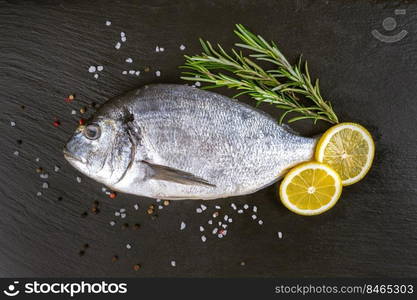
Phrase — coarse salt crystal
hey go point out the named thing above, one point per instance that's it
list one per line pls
(122, 216)
(117, 46)
(199, 210)
(220, 223)
(158, 73)
(215, 230)
(73, 112)
(224, 225)
(173, 263)
(158, 200)
(203, 207)
(96, 76)
(124, 72)
(45, 185)
(79, 179)
(117, 214)
(240, 211)
(136, 207)
(182, 226)
(203, 238)
(92, 69)
(210, 222)
(122, 34)
(108, 23)
(103, 189)
(201, 228)
(260, 222)
(254, 217)
(197, 83)
(129, 60)
(160, 207)
(112, 223)
(226, 217)
(38, 194)
(157, 49)
(128, 246)
(215, 214)
(233, 206)
(12, 123)
(131, 72)
(137, 73)
(255, 209)
(122, 210)
(245, 206)
(161, 49)
(56, 168)
(220, 235)
(100, 68)
(44, 175)
(280, 234)
(230, 220)
(217, 207)
(123, 39)
(182, 47)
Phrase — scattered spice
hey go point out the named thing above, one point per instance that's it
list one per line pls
(125, 226)
(70, 98)
(81, 122)
(114, 258)
(86, 246)
(113, 195)
(166, 202)
(136, 226)
(81, 253)
(83, 110)
(84, 214)
(137, 267)
(56, 123)
(147, 69)
(95, 210)
(39, 170)
(60, 198)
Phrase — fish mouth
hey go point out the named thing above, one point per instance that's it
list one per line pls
(69, 156)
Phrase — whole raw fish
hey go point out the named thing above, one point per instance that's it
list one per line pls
(177, 142)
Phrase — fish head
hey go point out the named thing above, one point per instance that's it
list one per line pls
(100, 149)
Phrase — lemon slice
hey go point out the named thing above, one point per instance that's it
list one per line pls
(349, 149)
(310, 188)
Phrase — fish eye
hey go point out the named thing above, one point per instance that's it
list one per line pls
(92, 131)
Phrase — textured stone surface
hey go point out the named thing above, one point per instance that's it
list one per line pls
(46, 50)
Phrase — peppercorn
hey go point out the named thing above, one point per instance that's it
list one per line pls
(150, 211)
(166, 202)
(114, 258)
(56, 123)
(83, 110)
(113, 195)
(147, 69)
(125, 226)
(39, 170)
(81, 253)
(136, 226)
(136, 267)
(84, 214)
(95, 210)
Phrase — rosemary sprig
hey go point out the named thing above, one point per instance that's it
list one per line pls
(281, 86)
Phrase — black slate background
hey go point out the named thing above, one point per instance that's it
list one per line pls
(46, 48)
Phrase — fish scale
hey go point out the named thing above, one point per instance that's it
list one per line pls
(189, 144)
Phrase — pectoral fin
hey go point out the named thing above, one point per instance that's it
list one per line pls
(160, 172)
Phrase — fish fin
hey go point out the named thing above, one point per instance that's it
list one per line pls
(174, 175)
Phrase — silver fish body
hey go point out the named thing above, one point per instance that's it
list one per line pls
(177, 142)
